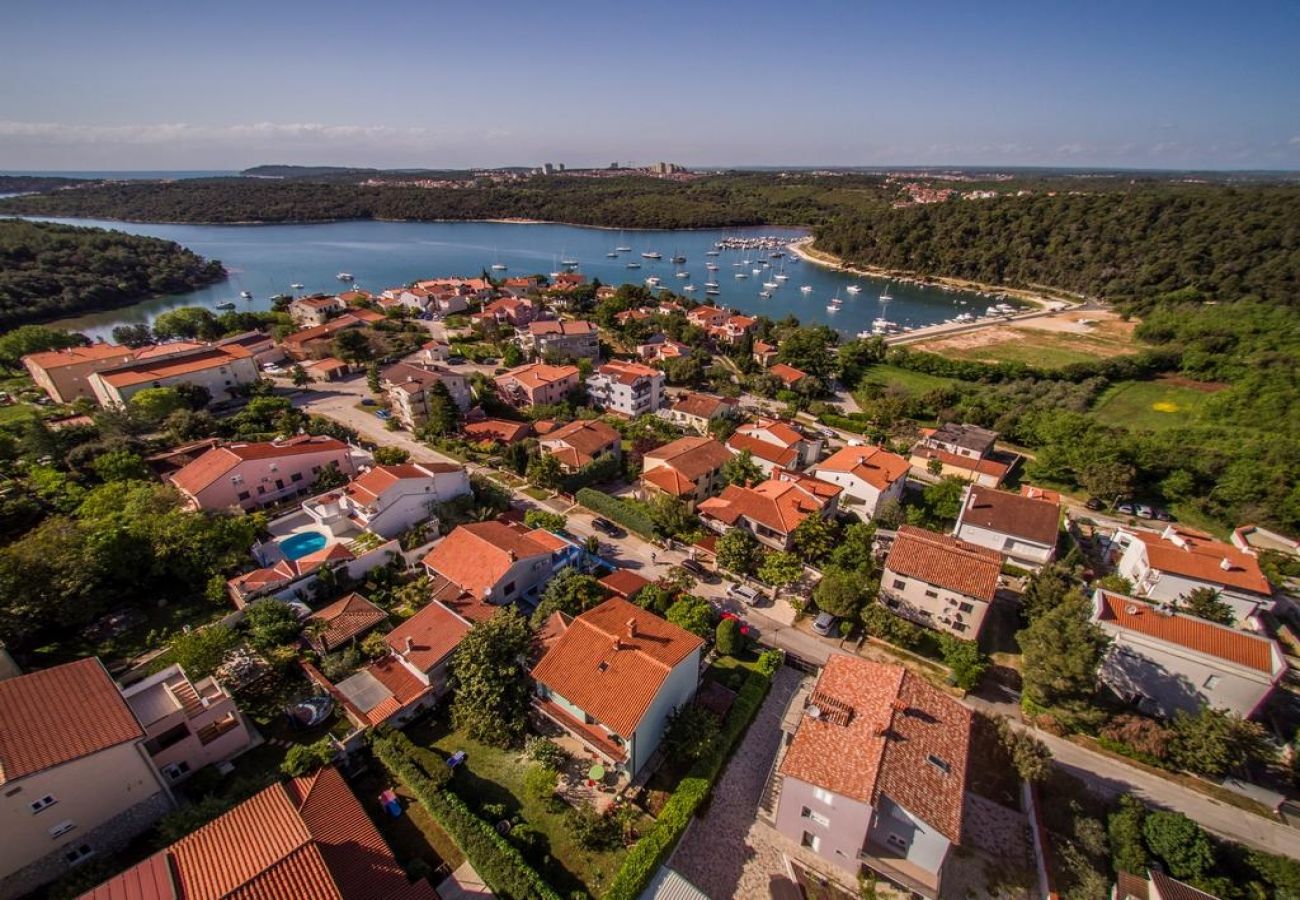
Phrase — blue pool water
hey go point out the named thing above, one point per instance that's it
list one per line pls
(299, 545)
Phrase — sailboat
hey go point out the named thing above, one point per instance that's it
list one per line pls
(678, 259)
(622, 243)
(885, 296)
(853, 289)
(835, 304)
(805, 289)
(498, 266)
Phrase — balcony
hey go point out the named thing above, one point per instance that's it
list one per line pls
(889, 865)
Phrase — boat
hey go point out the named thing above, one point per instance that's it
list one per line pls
(226, 305)
(569, 262)
(652, 254)
(884, 326)
(712, 292)
(805, 289)
(498, 267)
(344, 276)
(742, 274)
(710, 252)
(765, 294)
(832, 307)
(781, 277)
(885, 295)
(689, 288)
(755, 271)
(634, 265)
(678, 259)
(247, 295)
(653, 280)
(611, 255)
(296, 286)
(853, 289)
(771, 285)
(709, 284)
(623, 249)
(712, 267)
(682, 274)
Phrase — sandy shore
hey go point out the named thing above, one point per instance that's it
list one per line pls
(804, 249)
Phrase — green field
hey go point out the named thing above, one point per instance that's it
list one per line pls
(1151, 405)
(915, 382)
(18, 412)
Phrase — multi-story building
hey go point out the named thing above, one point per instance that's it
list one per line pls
(75, 778)
(536, 384)
(581, 443)
(688, 468)
(775, 444)
(773, 509)
(870, 476)
(253, 475)
(696, 412)
(220, 370)
(1022, 527)
(388, 500)
(614, 678)
(876, 773)
(1166, 661)
(408, 387)
(552, 339)
(310, 312)
(485, 565)
(939, 581)
(962, 451)
(629, 389)
(64, 375)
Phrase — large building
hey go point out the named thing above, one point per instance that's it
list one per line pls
(1166, 661)
(536, 384)
(552, 339)
(483, 565)
(775, 444)
(876, 773)
(698, 411)
(254, 475)
(409, 389)
(303, 839)
(76, 780)
(388, 500)
(870, 477)
(65, 374)
(1022, 527)
(219, 370)
(961, 451)
(939, 581)
(629, 389)
(615, 677)
(688, 468)
(772, 510)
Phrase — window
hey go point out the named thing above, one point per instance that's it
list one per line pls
(932, 594)
(78, 854)
(315, 470)
(296, 476)
(896, 841)
(823, 796)
(176, 770)
(509, 588)
(243, 495)
(939, 763)
(236, 479)
(279, 484)
(815, 817)
(1212, 682)
(62, 828)
(811, 841)
(900, 585)
(966, 607)
(44, 803)
(261, 489)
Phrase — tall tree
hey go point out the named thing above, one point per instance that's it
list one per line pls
(839, 593)
(1207, 603)
(1062, 650)
(491, 689)
(814, 538)
(738, 551)
(569, 592)
(741, 470)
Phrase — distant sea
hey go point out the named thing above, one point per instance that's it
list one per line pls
(128, 175)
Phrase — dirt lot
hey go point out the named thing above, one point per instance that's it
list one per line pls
(1045, 341)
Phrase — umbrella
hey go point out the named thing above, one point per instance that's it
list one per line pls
(597, 772)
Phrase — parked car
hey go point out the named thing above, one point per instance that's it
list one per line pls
(1164, 515)
(1125, 507)
(1144, 511)
(367, 401)
(746, 595)
(824, 624)
(697, 569)
(1094, 504)
(383, 414)
(456, 360)
(600, 523)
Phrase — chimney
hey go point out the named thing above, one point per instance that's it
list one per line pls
(410, 644)
(617, 644)
(882, 729)
(1225, 564)
(514, 557)
(631, 628)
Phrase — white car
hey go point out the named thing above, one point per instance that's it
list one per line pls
(746, 595)
(272, 369)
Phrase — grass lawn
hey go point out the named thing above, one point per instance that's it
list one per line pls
(537, 493)
(1151, 405)
(414, 834)
(17, 412)
(914, 382)
(493, 776)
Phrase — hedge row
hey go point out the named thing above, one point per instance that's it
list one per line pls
(601, 471)
(644, 859)
(496, 860)
(615, 509)
(1117, 368)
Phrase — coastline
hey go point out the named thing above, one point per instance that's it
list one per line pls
(803, 248)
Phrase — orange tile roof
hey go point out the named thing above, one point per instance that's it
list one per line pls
(57, 359)
(1031, 518)
(345, 619)
(561, 327)
(305, 839)
(585, 437)
(372, 485)
(403, 689)
(141, 372)
(338, 323)
(706, 406)
(624, 582)
(502, 430)
(781, 456)
(434, 632)
(945, 561)
(708, 315)
(691, 456)
(778, 503)
(611, 671)
(53, 716)
(535, 375)
(1198, 556)
(788, 374)
(983, 466)
(628, 372)
(476, 556)
(877, 467)
(199, 475)
(783, 431)
(1229, 644)
(669, 480)
(878, 729)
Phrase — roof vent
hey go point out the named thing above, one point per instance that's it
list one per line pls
(603, 666)
(1131, 609)
(814, 712)
(410, 644)
(1225, 564)
(939, 763)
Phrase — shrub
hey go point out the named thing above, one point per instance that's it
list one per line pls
(545, 751)
(591, 830)
(618, 511)
(1147, 738)
(727, 637)
(769, 661)
(540, 781)
(304, 758)
(1180, 842)
(964, 659)
(691, 733)
(540, 518)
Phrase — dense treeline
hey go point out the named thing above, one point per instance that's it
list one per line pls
(48, 270)
(1128, 246)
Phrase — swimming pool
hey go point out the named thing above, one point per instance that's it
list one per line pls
(299, 545)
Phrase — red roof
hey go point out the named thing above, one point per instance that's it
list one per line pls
(878, 468)
(374, 484)
(199, 475)
(345, 619)
(1198, 556)
(625, 583)
(1033, 518)
(780, 504)
(882, 731)
(690, 456)
(705, 406)
(56, 715)
(476, 556)
(612, 660)
(946, 562)
(781, 456)
(500, 430)
(71, 356)
(1228, 644)
(141, 372)
(983, 466)
(788, 374)
(306, 839)
(434, 632)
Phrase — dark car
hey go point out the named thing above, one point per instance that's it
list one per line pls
(600, 523)
(1164, 515)
(1094, 504)
(456, 360)
(695, 568)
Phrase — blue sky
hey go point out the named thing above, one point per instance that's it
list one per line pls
(1144, 83)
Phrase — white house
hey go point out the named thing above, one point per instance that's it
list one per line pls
(939, 581)
(1164, 567)
(219, 370)
(629, 389)
(875, 775)
(613, 679)
(775, 444)
(1022, 527)
(869, 476)
(388, 500)
(1166, 661)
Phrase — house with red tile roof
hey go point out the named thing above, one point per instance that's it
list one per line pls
(387, 500)
(536, 384)
(64, 375)
(939, 581)
(309, 312)
(303, 839)
(625, 583)
(626, 388)
(789, 376)
(764, 353)
(775, 444)
(659, 348)
(733, 329)
(277, 578)
(960, 451)
(1155, 885)
(409, 389)
(76, 778)
(251, 475)
(1023, 527)
(516, 312)
(1167, 566)
(688, 468)
(314, 342)
(498, 431)
(613, 679)
(568, 339)
(581, 443)
(876, 773)
(696, 411)
(221, 370)
(1164, 660)
(483, 565)
(707, 317)
(342, 622)
(870, 476)
(773, 509)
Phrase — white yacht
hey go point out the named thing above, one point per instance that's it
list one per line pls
(885, 295)
(765, 294)
(344, 276)
(652, 254)
(771, 285)
(742, 274)
(780, 277)
(498, 267)
(805, 289)
(634, 265)
(689, 288)
(247, 295)
(712, 292)
(296, 286)
(654, 281)
(853, 289)
(711, 284)
(712, 267)
(682, 274)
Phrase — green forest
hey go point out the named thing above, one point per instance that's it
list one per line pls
(48, 271)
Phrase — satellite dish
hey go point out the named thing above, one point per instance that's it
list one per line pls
(1131, 609)
(815, 712)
